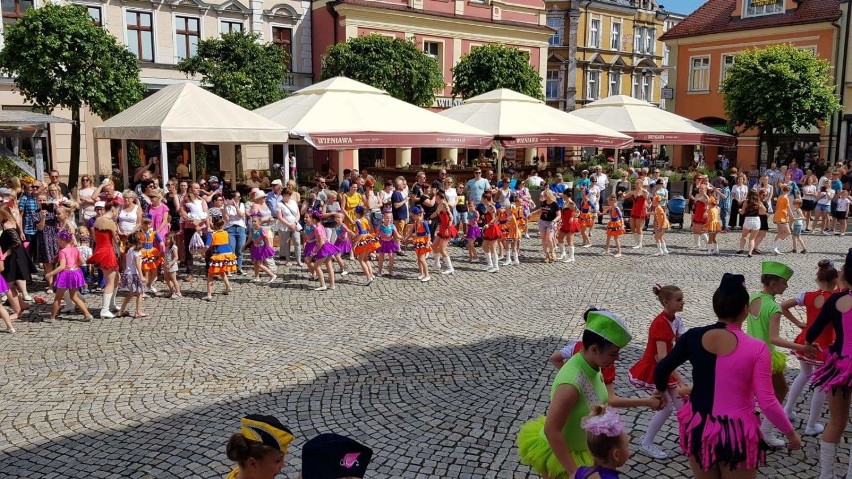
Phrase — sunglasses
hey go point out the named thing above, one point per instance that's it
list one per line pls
(84, 179)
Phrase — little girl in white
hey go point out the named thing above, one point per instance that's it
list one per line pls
(171, 267)
(131, 278)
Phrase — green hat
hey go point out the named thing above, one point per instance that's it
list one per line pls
(609, 326)
(776, 269)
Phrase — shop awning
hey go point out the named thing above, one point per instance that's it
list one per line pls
(646, 123)
(344, 114)
(521, 121)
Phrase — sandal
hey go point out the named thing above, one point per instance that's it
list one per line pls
(140, 315)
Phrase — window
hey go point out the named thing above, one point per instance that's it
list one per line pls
(96, 14)
(639, 39)
(230, 26)
(595, 33)
(699, 74)
(593, 84)
(552, 84)
(140, 35)
(650, 39)
(283, 39)
(187, 32)
(754, 8)
(615, 37)
(433, 49)
(614, 82)
(637, 92)
(666, 52)
(14, 9)
(558, 24)
(647, 82)
(727, 62)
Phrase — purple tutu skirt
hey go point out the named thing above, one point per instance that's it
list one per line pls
(70, 279)
(473, 232)
(388, 247)
(309, 249)
(327, 250)
(261, 253)
(834, 374)
(3, 286)
(343, 245)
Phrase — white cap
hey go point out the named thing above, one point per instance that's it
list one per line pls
(277, 182)
(100, 204)
(258, 194)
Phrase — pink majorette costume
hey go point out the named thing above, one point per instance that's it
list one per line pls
(718, 424)
(835, 375)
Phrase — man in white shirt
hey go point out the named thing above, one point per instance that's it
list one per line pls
(601, 180)
(534, 180)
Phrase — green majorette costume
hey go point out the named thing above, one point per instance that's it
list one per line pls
(533, 448)
(758, 326)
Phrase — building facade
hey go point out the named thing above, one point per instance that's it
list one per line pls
(705, 45)
(161, 33)
(605, 47)
(445, 29)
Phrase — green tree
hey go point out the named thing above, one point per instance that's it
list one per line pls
(495, 66)
(59, 58)
(779, 90)
(395, 65)
(239, 69)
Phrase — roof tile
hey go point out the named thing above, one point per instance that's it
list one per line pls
(715, 17)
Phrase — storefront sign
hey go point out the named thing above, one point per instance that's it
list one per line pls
(667, 93)
(446, 102)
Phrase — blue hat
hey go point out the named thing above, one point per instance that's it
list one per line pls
(498, 205)
(416, 210)
(359, 209)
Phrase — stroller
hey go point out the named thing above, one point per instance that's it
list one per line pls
(677, 205)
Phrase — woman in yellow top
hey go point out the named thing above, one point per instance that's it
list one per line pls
(783, 218)
(352, 199)
(259, 448)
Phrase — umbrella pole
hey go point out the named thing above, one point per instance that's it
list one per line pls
(286, 163)
(164, 166)
(192, 160)
(125, 163)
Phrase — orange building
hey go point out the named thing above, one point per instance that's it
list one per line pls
(705, 45)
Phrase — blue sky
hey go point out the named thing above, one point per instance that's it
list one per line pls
(682, 6)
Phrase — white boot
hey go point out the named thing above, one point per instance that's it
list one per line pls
(490, 262)
(827, 457)
(508, 261)
(570, 258)
(496, 267)
(449, 269)
(562, 256)
(697, 239)
(705, 238)
(665, 248)
(775, 247)
(105, 308)
(437, 263)
(517, 260)
(660, 250)
(639, 242)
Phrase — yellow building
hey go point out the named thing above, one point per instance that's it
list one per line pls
(603, 48)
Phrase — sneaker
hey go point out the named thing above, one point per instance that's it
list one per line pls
(651, 450)
(658, 253)
(637, 246)
(273, 278)
(152, 290)
(773, 440)
(776, 251)
(426, 279)
(587, 245)
(28, 298)
(68, 309)
(344, 272)
(617, 255)
(256, 279)
(815, 431)
(321, 288)
(105, 314)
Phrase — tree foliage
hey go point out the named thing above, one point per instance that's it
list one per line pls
(239, 69)
(395, 65)
(780, 90)
(495, 66)
(59, 58)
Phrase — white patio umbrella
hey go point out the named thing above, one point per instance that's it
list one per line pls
(185, 112)
(344, 114)
(647, 123)
(520, 121)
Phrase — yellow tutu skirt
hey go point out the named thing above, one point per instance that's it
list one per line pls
(534, 451)
(779, 362)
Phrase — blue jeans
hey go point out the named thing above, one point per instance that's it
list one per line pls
(723, 217)
(237, 240)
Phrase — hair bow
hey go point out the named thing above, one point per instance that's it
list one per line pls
(607, 424)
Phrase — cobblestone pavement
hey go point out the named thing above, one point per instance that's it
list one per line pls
(437, 378)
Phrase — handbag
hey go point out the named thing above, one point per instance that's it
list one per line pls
(196, 244)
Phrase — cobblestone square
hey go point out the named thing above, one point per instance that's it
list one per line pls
(436, 378)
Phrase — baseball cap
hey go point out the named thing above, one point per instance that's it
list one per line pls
(213, 179)
(100, 204)
(277, 182)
